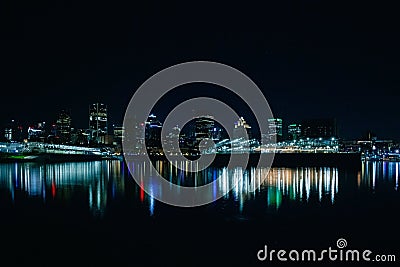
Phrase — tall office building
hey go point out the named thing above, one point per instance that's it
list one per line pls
(171, 146)
(63, 125)
(153, 129)
(203, 130)
(98, 121)
(241, 124)
(37, 132)
(118, 134)
(135, 138)
(294, 131)
(14, 131)
(8, 134)
(9, 131)
(275, 130)
(204, 127)
(319, 128)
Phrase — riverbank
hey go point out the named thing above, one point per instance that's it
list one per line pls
(279, 159)
(50, 158)
(338, 159)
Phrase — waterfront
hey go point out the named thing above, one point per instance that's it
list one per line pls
(93, 212)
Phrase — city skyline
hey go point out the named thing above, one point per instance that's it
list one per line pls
(308, 64)
(283, 129)
(104, 161)
(162, 109)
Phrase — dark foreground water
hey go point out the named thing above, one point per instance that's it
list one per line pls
(93, 213)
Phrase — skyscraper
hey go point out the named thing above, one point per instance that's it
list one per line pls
(275, 130)
(294, 131)
(14, 131)
(98, 119)
(239, 125)
(63, 126)
(203, 130)
(153, 129)
(136, 143)
(204, 127)
(319, 128)
(170, 141)
(118, 133)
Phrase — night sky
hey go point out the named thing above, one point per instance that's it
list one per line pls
(312, 59)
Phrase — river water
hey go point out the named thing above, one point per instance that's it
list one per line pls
(94, 213)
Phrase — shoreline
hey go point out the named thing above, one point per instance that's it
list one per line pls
(50, 158)
(279, 159)
(348, 160)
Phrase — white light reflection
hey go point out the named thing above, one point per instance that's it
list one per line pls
(298, 184)
(62, 180)
(96, 179)
(373, 175)
(151, 205)
(379, 175)
(397, 175)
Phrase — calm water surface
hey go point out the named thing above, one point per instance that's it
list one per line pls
(93, 212)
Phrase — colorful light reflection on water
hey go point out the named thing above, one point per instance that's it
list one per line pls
(103, 181)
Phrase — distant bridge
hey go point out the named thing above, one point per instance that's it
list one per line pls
(30, 147)
(253, 145)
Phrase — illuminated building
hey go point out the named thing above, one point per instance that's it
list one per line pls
(275, 130)
(63, 126)
(8, 134)
(37, 132)
(138, 136)
(118, 134)
(98, 120)
(80, 137)
(242, 124)
(14, 132)
(319, 128)
(241, 128)
(294, 131)
(204, 127)
(135, 139)
(203, 130)
(34, 134)
(153, 133)
(170, 141)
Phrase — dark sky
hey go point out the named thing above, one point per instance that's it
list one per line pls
(311, 59)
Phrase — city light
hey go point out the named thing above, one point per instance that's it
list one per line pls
(310, 136)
